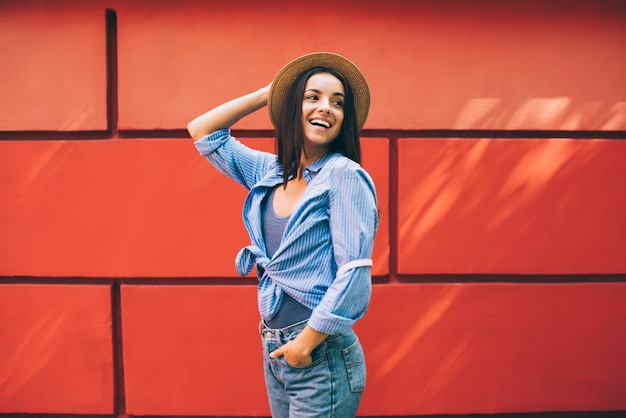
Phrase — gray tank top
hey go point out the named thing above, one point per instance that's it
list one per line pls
(290, 311)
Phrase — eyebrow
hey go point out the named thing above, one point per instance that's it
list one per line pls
(338, 93)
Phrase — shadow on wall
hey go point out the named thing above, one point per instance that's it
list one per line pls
(521, 206)
(494, 348)
(552, 113)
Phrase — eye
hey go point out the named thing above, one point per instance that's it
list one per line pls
(311, 97)
(338, 103)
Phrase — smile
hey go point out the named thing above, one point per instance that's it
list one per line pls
(320, 122)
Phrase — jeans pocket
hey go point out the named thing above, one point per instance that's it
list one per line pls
(355, 366)
(319, 355)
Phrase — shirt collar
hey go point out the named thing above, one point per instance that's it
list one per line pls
(309, 172)
(317, 165)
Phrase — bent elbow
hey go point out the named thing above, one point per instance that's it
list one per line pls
(193, 130)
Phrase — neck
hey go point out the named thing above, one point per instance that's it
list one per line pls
(309, 156)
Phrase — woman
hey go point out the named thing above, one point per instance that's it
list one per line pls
(311, 215)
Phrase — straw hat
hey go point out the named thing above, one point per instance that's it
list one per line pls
(288, 74)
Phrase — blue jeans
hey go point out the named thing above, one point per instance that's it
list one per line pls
(331, 386)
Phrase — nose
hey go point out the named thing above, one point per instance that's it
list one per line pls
(324, 106)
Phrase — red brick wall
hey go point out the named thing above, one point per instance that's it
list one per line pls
(496, 141)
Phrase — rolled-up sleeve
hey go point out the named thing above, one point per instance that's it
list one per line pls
(353, 223)
(232, 158)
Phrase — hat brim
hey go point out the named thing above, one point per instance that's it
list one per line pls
(290, 72)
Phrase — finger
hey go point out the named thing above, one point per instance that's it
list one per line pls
(276, 353)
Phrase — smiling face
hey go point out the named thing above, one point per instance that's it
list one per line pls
(322, 112)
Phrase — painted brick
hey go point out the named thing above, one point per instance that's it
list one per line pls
(439, 349)
(519, 206)
(431, 65)
(132, 208)
(192, 350)
(53, 74)
(430, 349)
(56, 350)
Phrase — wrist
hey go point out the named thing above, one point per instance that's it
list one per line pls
(309, 339)
(263, 94)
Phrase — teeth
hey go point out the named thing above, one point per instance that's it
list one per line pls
(320, 122)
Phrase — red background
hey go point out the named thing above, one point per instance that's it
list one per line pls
(496, 142)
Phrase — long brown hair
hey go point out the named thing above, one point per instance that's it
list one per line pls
(290, 133)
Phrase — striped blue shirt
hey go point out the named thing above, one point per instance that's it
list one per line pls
(324, 258)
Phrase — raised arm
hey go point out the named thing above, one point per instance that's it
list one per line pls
(227, 114)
